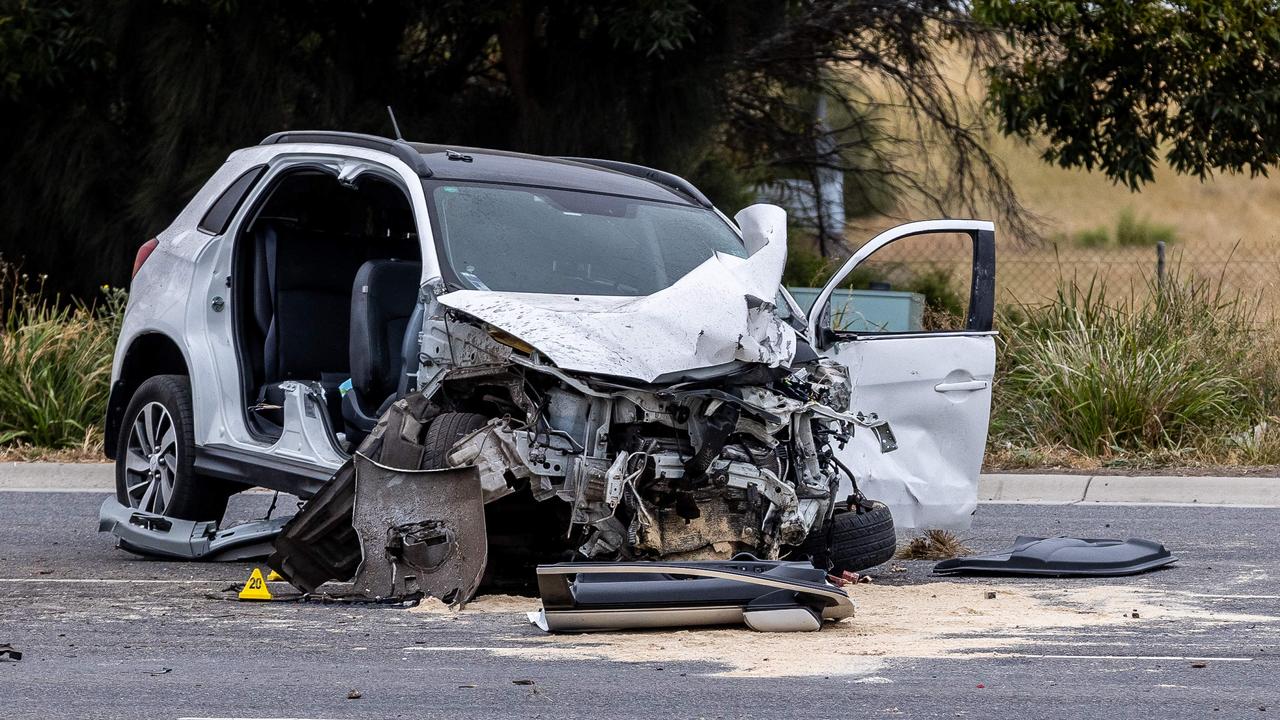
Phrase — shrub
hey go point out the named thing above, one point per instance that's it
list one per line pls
(806, 268)
(1183, 369)
(1097, 237)
(1132, 231)
(55, 364)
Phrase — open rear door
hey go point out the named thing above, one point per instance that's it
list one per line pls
(910, 314)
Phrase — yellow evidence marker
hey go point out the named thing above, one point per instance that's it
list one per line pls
(273, 576)
(256, 587)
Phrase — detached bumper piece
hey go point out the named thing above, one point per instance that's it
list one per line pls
(769, 596)
(381, 530)
(1065, 557)
(145, 533)
(387, 534)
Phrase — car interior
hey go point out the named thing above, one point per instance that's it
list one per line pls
(326, 280)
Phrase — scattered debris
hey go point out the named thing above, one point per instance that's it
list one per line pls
(1199, 665)
(1134, 614)
(381, 532)
(9, 654)
(1064, 556)
(991, 594)
(161, 671)
(940, 619)
(523, 681)
(933, 545)
(146, 533)
(766, 595)
(354, 694)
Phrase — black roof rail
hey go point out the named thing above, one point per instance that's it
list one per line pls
(666, 179)
(398, 148)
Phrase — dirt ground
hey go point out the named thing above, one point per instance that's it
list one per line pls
(929, 620)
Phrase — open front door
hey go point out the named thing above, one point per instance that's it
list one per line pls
(910, 314)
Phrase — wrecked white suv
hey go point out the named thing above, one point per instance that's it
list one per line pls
(615, 357)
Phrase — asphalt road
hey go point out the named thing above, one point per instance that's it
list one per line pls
(106, 635)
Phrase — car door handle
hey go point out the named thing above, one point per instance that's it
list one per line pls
(963, 386)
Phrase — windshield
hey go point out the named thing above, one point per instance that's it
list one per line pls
(541, 240)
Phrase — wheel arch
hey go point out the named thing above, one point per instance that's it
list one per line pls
(149, 354)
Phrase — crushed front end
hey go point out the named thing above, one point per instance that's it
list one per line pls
(698, 469)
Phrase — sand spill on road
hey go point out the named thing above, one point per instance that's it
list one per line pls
(929, 620)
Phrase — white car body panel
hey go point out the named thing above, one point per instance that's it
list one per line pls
(931, 480)
(173, 293)
(934, 389)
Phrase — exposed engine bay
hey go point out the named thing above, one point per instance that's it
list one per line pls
(699, 469)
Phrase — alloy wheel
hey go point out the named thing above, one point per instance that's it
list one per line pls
(151, 460)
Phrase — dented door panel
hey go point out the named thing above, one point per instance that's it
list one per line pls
(932, 387)
(935, 392)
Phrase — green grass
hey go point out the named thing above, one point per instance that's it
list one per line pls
(55, 364)
(1186, 374)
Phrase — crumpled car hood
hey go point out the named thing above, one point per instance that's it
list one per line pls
(718, 313)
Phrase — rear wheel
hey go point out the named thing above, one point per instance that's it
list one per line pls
(156, 452)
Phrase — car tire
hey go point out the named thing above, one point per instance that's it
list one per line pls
(852, 541)
(155, 455)
(444, 432)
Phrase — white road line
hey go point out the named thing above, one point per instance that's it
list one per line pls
(1093, 503)
(98, 490)
(1190, 658)
(114, 581)
(461, 648)
(243, 718)
(1193, 658)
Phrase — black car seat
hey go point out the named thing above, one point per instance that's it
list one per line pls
(383, 298)
(303, 297)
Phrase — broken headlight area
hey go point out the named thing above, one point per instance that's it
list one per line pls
(578, 467)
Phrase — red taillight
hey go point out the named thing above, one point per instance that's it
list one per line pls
(144, 252)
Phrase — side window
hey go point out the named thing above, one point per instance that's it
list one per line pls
(920, 283)
(219, 215)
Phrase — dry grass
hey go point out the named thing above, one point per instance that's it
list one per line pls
(933, 545)
(1212, 219)
(89, 451)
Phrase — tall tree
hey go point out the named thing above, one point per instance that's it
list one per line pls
(1114, 84)
(112, 112)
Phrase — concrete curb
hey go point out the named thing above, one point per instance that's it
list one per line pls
(1040, 488)
(1124, 489)
(57, 477)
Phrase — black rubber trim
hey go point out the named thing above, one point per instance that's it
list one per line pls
(261, 470)
(1064, 557)
(399, 148)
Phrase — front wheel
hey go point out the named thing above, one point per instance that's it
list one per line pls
(156, 452)
(852, 541)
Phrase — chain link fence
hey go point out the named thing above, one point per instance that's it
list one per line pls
(1032, 274)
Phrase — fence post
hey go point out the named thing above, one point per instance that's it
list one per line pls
(1160, 265)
